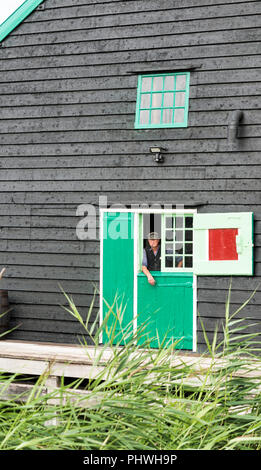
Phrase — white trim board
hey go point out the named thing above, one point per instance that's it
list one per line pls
(149, 211)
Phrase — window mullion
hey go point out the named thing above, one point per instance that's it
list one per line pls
(162, 99)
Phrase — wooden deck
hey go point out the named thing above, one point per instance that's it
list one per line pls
(55, 360)
(59, 360)
(62, 360)
(84, 362)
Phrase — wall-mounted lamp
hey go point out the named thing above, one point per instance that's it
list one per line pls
(157, 153)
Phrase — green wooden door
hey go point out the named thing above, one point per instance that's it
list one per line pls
(167, 309)
(118, 275)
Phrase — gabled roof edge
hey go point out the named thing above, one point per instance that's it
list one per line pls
(17, 17)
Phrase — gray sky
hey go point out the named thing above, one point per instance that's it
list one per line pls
(7, 7)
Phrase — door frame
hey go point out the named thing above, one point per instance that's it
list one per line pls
(136, 212)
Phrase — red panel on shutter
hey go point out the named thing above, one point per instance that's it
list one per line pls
(222, 244)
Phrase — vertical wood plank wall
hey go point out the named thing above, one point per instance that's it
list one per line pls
(67, 136)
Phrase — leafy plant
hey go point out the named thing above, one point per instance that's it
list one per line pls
(143, 398)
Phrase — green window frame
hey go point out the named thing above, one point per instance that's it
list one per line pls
(162, 100)
(17, 17)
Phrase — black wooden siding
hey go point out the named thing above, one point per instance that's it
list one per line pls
(67, 136)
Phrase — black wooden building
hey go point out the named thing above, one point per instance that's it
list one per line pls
(68, 77)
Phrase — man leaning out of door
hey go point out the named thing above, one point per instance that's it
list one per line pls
(152, 257)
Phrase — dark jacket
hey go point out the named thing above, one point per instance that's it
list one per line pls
(154, 261)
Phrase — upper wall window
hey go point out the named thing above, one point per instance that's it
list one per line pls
(162, 100)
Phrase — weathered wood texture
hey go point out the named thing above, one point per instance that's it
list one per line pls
(67, 137)
(58, 364)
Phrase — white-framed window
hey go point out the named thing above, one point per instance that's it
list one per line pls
(176, 239)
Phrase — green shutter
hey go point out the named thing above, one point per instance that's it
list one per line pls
(118, 272)
(17, 17)
(242, 221)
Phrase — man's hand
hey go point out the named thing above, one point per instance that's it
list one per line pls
(151, 280)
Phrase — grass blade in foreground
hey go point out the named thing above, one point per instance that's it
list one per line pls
(145, 399)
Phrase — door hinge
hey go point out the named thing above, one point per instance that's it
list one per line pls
(240, 245)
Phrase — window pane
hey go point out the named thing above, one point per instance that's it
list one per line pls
(180, 82)
(188, 262)
(145, 101)
(179, 222)
(144, 117)
(157, 83)
(169, 248)
(180, 99)
(146, 84)
(169, 222)
(179, 115)
(169, 262)
(167, 116)
(188, 248)
(179, 249)
(189, 222)
(155, 116)
(188, 235)
(169, 235)
(169, 83)
(168, 101)
(179, 236)
(156, 100)
(179, 262)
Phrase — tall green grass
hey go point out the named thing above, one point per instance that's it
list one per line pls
(144, 398)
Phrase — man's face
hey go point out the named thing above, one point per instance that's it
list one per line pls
(153, 243)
